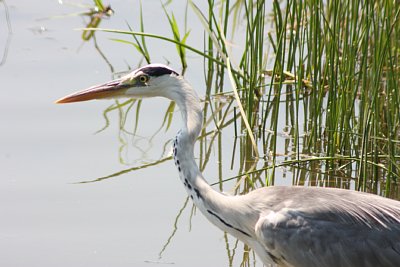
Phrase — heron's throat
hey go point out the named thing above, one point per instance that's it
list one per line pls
(190, 107)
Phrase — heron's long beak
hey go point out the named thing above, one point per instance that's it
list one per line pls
(111, 89)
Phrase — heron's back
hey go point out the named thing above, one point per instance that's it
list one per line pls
(302, 226)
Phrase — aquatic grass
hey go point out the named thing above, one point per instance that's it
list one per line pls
(238, 76)
(329, 50)
(177, 37)
(140, 45)
(96, 15)
(7, 43)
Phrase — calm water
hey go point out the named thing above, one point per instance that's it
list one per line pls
(46, 219)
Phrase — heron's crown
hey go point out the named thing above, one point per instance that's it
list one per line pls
(156, 70)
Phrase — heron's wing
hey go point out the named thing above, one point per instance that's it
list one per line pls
(322, 238)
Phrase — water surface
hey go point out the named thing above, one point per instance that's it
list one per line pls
(46, 219)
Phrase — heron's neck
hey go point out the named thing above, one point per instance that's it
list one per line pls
(191, 111)
(192, 116)
(214, 205)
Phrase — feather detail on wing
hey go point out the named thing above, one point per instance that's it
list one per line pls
(331, 229)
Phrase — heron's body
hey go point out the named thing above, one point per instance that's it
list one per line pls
(286, 226)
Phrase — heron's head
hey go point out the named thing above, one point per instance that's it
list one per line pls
(148, 81)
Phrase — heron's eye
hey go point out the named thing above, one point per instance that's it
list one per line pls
(143, 78)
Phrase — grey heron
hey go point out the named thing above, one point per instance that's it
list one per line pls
(286, 226)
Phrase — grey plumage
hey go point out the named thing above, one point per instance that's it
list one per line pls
(328, 227)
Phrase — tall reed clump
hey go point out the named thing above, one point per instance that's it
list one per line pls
(343, 58)
(334, 72)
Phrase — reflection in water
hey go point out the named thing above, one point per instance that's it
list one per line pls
(103, 56)
(9, 33)
(175, 229)
(119, 173)
(96, 15)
